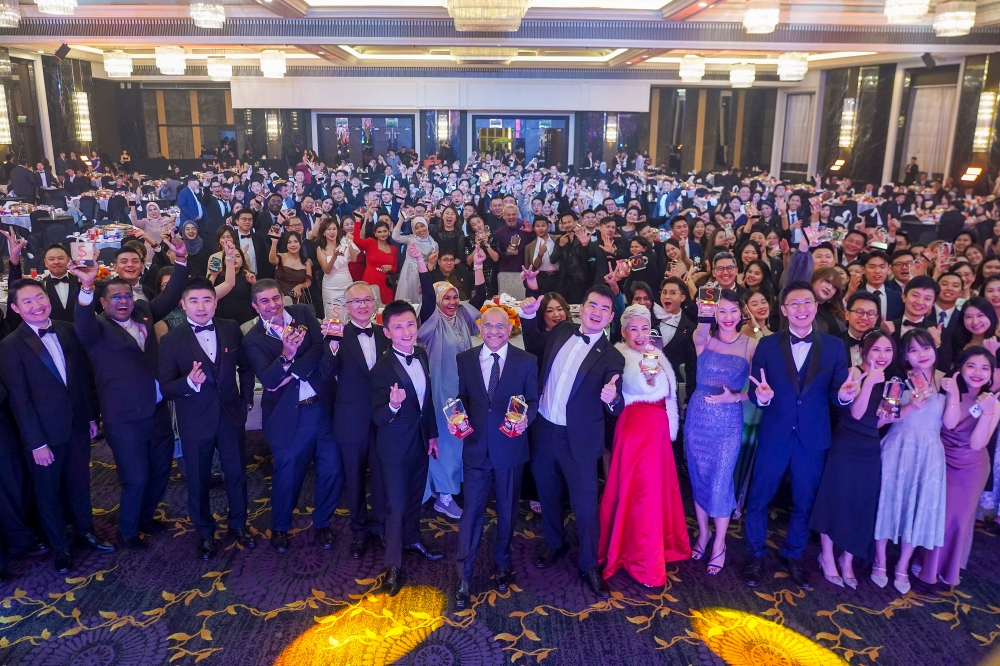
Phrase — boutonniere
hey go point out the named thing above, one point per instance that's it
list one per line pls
(225, 350)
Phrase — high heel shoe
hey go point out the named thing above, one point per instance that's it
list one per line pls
(715, 569)
(698, 553)
(849, 582)
(835, 580)
(902, 586)
(880, 579)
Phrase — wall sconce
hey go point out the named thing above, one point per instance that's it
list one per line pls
(983, 136)
(971, 174)
(81, 109)
(5, 132)
(611, 128)
(847, 120)
(838, 165)
(272, 126)
(443, 131)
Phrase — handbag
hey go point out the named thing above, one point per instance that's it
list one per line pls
(392, 280)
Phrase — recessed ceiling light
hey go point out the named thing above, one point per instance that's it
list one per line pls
(703, 4)
(41, 51)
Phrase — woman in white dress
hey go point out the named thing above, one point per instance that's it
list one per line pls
(334, 252)
(409, 277)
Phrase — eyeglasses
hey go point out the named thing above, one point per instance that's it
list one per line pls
(800, 305)
(902, 264)
(725, 269)
(125, 296)
(358, 302)
(864, 314)
(494, 327)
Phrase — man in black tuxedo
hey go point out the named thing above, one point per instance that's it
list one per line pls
(487, 378)
(48, 377)
(406, 433)
(354, 349)
(199, 364)
(137, 425)
(216, 209)
(23, 181)
(60, 286)
(676, 330)
(285, 348)
(255, 247)
(271, 215)
(918, 312)
(862, 316)
(580, 379)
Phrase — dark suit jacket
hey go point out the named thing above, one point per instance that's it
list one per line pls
(280, 404)
(799, 415)
(213, 215)
(125, 374)
(261, 248)
(352, 412)
(23, 182)
(47, 411)
(186, 202)
(401, 438)
(198, 412)
(519, 377)
(58, 311)
(952, 222)
(584, 409)
(681, 351)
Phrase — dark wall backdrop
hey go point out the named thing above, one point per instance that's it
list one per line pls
(63, 78)
(20, 89)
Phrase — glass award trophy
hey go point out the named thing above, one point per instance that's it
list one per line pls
(454, 411)
(517, 410)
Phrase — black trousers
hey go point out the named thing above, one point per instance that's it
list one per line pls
(65, 484)
(507, 485)
(198, 454)
(144, 451)
(404, 490)
(17, 519)
(356, 466)
(313, 440)
(556, 471)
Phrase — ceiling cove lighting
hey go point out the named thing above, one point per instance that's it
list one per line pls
(56, 7)
(272, 64)
(793, 66)
(5, 135)
(847, 118)
(491, 54)
(210, 14)
(219, 68)
(170, 60)
(983, 136)
(954, 19)
(117, 64)
(761, 16)
(900, 12)
(742, 75)
(692, 68)
(81, 109)
(10, 15)
(487, 15)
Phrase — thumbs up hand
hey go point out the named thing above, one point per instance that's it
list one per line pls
(610, 391)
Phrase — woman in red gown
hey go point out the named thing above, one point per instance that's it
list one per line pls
(380, 260)
(642, 517)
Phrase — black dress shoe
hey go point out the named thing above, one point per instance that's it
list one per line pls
(992, 527)
(38, 548)
(132, 543)
(797, 573)
(206, 548)
(216, 481)
(504, 577)
(326, 537)
(242, 537)
(546, 556)
(753, 571)
(64, 560)
(154, 526)
(596, 583)
(462, 595)
(279, 541)
(91, 539)
(419, 548)
(358, 547)
(393, 581)
(378, 540)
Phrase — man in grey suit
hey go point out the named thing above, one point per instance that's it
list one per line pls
(23, 181)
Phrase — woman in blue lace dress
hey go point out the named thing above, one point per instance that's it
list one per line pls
(713, 426)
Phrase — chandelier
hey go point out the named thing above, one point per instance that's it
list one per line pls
(692, 68)
(81, 108)
(761, 16)
(170, 60)
(848, 118)
(272, 64)
(742, 75)
(117, 64)
(905, 11)
(793, 66)
(208, 14)
(10, 14)
(982, 139)
(955, 18)
(220, 69)
(6, 69)
(57, 7)
(5, 135)
(494, 54)
(487, 15)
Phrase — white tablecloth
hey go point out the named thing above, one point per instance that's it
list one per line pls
(18, 220)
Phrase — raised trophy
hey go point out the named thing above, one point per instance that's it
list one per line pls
(455, 412)
(517, 410)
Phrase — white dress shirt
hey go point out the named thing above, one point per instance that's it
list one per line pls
(882, 298)
(668, 323)
(800, 351)
(51, 342)
(544, 249)
(486, 362)
(416, 372)
(137, 293)
(367, 343)
(136, 330)
(246, 244)
(306, 390)
(555, 393)
(947, 316)
(62, 291)
(208, 343)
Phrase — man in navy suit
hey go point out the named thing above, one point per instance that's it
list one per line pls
(356, 347)
(580, 380)
(137, 425)
(794, 377)
(285, 348)
(46, 372)
(406, 434)
(876, 272)
(190, 205)
(200, 361)
(487, 378)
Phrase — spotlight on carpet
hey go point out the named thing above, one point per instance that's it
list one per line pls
(743, 639)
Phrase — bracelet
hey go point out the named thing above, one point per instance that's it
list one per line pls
(477, 267)
(706, 320)
(84, 290)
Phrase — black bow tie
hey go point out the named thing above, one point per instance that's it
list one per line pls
(199, 329)
(42, 331)
(367, 330)
(796, 340)
(63, 279)
(586, 338)
(247, 236)
(408, 357)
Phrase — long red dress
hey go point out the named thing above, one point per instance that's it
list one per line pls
(642, 517)
(374, 258)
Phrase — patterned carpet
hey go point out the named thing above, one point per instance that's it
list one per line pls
(314, 606)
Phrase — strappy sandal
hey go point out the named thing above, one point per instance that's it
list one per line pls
(714, 569)
(849, 582)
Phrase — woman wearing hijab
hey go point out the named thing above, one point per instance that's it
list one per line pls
(447, 327)
(198, 251)
(152, 224)
(408, 288)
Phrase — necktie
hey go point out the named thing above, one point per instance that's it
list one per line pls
(942, 317)
(43, 331)
(494, 377)
(199, 329)
(368, 330)
(586, 338)
(808, 338)
(408, 357)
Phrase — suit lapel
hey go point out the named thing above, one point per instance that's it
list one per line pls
(404, 378)
(588, 362)
(35, 344)
(815, 352)
(564, 333)
(786, 354)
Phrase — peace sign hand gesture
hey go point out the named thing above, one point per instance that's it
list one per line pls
(764, 391)
(850, 388)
